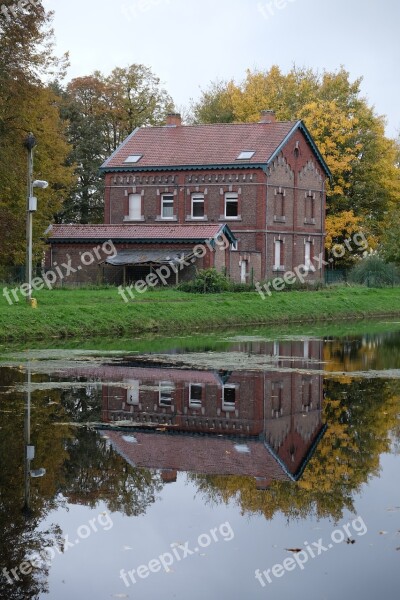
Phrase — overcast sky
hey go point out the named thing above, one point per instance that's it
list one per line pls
(188, 43)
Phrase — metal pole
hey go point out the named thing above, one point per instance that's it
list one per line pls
(29, 144)
(27, 431)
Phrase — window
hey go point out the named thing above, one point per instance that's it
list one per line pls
(278, 255)
(234, 246)
(243, 271)
(167, 206)
(276, 398)
(135, 207)
(280, 203)
(246, 155)
(309, 207)
(166, 390)
(132, 396)
(307, 255)
(197, 206)
(231, 206)
(306, 393)
(195, 395)
(134, 158)
(228, 397)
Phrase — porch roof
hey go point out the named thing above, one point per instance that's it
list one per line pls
(148, 257)
(163, 233)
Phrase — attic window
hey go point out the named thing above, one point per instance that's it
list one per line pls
(134, 158)
(246, 155)
(242, 448)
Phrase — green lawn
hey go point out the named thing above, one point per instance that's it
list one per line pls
(101, 312)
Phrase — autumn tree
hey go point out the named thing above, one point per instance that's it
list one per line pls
(351, 137)
(100, 112)
(28, 104)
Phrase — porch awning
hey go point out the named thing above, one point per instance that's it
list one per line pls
(148, 257)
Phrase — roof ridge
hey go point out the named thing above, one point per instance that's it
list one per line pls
(166, 127)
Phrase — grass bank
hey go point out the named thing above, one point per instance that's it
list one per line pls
(88, 313)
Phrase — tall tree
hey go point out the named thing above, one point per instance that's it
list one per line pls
(351, 137)
(27, 104)
(101, 111)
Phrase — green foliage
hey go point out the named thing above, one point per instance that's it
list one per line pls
(27, 104)
(207, 281)
(348, 132)
(374, 272)
(101, 110)
(390, 244)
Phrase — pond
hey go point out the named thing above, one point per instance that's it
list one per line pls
(242, 464)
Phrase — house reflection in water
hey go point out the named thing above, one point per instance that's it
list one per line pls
(264, 424)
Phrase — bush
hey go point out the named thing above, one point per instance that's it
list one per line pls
(374, 272)
(207, 281)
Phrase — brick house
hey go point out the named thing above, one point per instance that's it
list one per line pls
(264, 183)
(264, 424)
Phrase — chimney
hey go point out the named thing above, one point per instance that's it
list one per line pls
(267, 116)
(174, 120)
(168, 475)
(263, 483)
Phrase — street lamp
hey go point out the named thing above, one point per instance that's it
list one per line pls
(31, 207)
(29, 448)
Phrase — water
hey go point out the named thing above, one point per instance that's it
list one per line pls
(241, 465)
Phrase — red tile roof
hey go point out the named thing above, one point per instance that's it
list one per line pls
(106, 373)
(208, 455)
(136, 233)
(217, 144)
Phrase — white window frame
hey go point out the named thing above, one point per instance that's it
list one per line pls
(229, 197)
(193, 402)
(234, 246)
(135, 210)
(132, 392)
(133, 158)
(166, 388)
(167, 199)
(278, 255)
(228, 406)
(197, 199)
(246, 155)
(244, 265)
(307, 254)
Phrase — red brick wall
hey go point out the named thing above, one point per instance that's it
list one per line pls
(98, 273)
(294, 173)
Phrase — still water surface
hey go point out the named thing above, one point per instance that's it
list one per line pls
(239, 465)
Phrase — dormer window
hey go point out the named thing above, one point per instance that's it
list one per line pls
(133, 158)
(246, 155)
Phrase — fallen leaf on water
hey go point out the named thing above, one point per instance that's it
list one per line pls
(296, 550)
(382, 532)
(127, 548)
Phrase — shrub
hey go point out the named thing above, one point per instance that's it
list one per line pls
(207, 281)
(372, 271)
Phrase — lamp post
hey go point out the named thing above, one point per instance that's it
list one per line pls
(31, 207)
(29, 452)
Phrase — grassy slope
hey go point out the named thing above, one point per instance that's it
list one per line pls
(91, 312)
